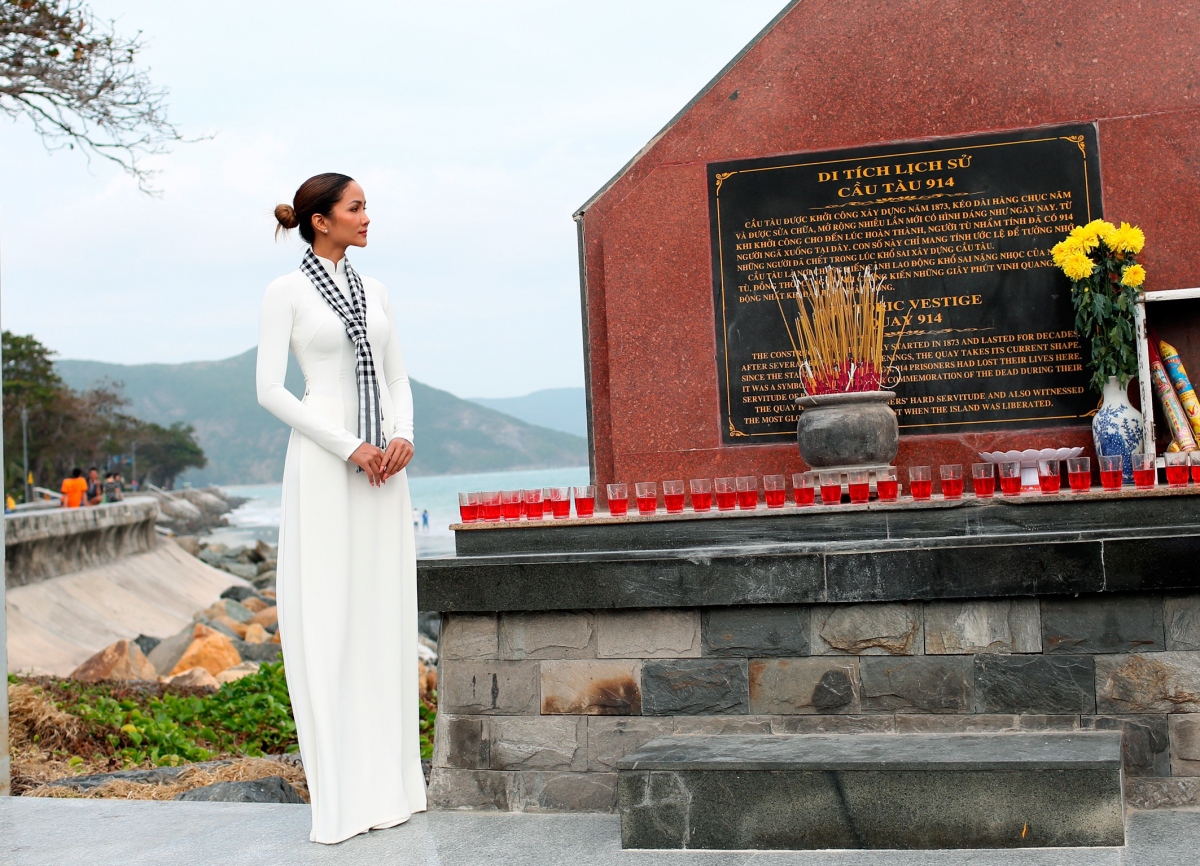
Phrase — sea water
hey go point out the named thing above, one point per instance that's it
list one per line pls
(258, 518)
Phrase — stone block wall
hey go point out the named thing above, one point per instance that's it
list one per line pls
(537, 708)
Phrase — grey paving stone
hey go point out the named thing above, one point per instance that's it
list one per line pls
(918, 684)
(611, 738)
(869, 809)
(1034, 684)
(648, 634)
(539, 743)
(883, 723)
(606, 687)
(1145, 745)
(488, 687)
(965, 627)
(1166, 682)
(1102, 624)
(461, 742)
(696, 687)
(1185, 744)
(469, 636)
(761, 631)
(568, 792)
(547, 635)
(700, 725)
(1181, 615)
(473, 789)
(867, 629)
(812, 685)
(915, 723)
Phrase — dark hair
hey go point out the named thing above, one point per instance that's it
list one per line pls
(76, 472)
(317, 195)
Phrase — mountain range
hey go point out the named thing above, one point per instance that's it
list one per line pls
(557, 408)
(245, 444)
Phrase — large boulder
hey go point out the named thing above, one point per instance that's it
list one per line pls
(254, 605)
(146, 643)
(235, 610)
(178, 510)
(123, 660)
(207, 502)
(236, 672)
(170, 650)
(210, 650)
(266, 618)
(242, 594)
(255, 633)
(193, 678)
(272, 789)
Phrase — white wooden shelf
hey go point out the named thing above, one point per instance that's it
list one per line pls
(1144, 383)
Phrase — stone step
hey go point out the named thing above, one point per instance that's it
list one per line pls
(885, 791)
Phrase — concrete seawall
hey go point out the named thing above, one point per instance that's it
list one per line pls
(39, 545)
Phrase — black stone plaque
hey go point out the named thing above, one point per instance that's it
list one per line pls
(961, 228)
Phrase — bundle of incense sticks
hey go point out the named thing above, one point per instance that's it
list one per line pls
(838, 338)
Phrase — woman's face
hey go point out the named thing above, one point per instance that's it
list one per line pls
(346, 225)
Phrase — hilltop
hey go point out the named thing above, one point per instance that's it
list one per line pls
(245, 444)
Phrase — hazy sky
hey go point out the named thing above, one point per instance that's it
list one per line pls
(476, 128)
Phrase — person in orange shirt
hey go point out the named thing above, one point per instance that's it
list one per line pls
(74, 489)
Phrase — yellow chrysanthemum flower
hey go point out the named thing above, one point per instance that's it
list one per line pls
(1128, 239)
(1078, 266)
(1062, 250)
(1133, 276)
(1085, 237)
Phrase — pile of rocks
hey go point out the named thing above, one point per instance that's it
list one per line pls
(256, 564)
(191, 509)
(225, 642)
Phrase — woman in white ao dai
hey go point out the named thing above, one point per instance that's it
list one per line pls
(347, 563)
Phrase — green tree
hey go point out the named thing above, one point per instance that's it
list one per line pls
(164, 452)
(70, 428)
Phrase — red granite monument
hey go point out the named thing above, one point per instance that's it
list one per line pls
(1110, 93)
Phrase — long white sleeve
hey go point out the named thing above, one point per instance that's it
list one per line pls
(274, 338)
(395, 374)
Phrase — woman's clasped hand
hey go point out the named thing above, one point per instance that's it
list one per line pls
(381, 465)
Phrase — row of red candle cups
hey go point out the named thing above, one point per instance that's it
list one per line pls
(741, 493)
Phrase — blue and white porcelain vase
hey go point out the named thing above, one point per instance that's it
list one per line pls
(1117, 427)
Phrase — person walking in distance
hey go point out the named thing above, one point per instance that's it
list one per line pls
(347, 576)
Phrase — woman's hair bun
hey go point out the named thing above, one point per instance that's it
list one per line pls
(286, 216)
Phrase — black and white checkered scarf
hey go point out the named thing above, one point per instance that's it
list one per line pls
(354, 317)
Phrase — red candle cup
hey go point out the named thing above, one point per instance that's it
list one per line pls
(1145, 473)
(647, 497)
(702, 496)
(1194, 463)
(952, 480)
(585, 501)
(1049, 476)
(858, 483)
(560, 502)
(983, 480)
(747, 492)
(804, 488)
(1079, 474)
(920, 482)
(510, 502)
(535, 505)
(775, 490)
(1176, 468)
(618, 500)
(831, 488)
(468, 507)
(1010, 478)
(1112, 470)
(489, 505)
(726, 491)
(887, 485)
(673, 496)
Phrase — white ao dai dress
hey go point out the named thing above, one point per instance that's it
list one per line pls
(347, 564)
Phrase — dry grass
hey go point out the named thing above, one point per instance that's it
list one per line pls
(240, 770)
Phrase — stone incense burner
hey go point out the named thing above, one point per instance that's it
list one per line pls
(857, 428)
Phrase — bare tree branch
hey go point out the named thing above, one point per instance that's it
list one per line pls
(76, 80)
